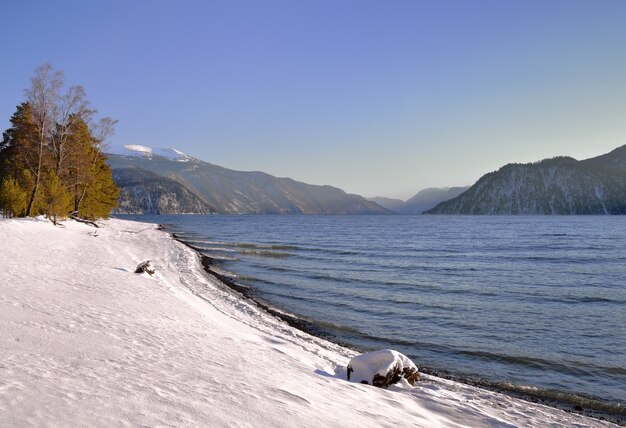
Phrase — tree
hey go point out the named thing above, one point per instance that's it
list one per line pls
(101, 194)
(73, 107)
(93, 191)
(77, 174)
(18, 150)
(43, 96)
(18, 156)
(57, 199)
(12, 198)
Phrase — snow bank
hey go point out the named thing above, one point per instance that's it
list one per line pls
(86, 341)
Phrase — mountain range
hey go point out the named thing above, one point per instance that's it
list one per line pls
(154, 181)
(167, 181)
(561, 185)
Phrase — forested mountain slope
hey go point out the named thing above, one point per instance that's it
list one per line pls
(560, 185)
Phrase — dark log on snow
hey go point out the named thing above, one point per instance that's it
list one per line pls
(82, 220)
(145, 267)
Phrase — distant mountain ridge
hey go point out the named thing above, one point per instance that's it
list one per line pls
(390, 203)
(220, 189)
(424, 200)
(430, 197)
(561, 185)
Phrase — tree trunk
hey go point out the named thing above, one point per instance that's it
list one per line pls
(76, 199)
(57, 167)
(33, 195)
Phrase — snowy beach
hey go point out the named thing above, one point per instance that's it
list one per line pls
(88, 342)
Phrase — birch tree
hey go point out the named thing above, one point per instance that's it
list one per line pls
(43, 97)
(73, 106)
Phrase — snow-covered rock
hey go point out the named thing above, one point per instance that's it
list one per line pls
(382, 368)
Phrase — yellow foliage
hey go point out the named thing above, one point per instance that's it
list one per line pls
(12, 198)
(57, 199)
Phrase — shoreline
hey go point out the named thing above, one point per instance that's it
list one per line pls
(292, 320)
(88, 342)
(569, 403)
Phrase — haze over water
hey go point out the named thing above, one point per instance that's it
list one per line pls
(511, 302)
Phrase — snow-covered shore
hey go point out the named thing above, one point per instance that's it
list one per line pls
(87, 342)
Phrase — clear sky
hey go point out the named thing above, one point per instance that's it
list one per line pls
(376, 97)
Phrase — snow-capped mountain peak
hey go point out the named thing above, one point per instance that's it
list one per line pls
(148, 152)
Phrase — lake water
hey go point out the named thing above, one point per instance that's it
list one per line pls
(531, 305)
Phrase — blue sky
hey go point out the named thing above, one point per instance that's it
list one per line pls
(375, 97)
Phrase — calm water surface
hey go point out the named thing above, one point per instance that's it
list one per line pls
(533, 304)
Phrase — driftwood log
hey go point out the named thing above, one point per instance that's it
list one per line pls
(82, 220)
